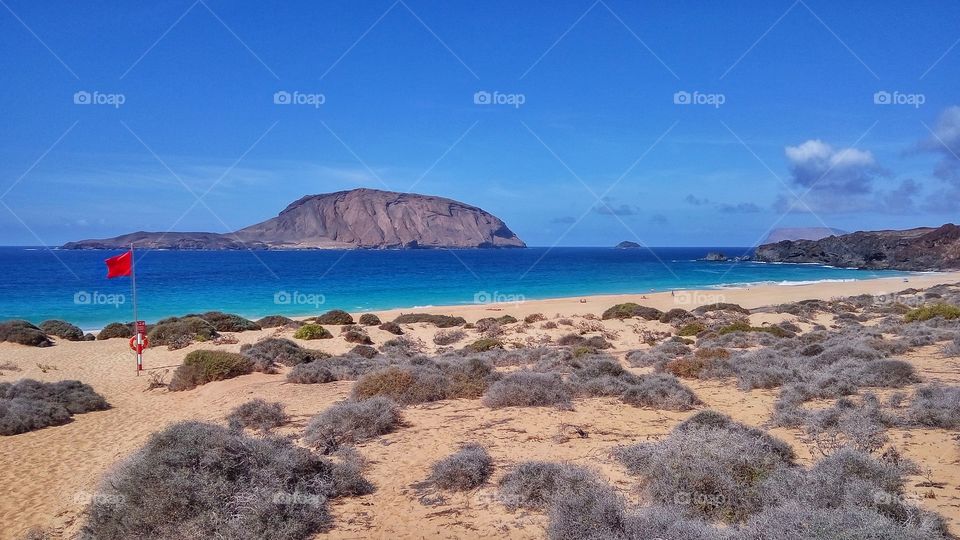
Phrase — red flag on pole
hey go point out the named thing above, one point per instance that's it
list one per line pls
(120, 266)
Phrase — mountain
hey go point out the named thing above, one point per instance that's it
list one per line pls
(913, 249)
(800, 233)
(359, 218)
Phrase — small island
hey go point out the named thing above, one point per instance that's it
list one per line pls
(626, 244)
(715, 256)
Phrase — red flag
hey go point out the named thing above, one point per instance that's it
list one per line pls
(119, 266)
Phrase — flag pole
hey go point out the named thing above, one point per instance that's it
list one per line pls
(136, 320)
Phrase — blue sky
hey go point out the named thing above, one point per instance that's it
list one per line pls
(585, 147)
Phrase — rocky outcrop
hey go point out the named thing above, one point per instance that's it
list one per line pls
(715, 256)
(626, 244)
(800, 233)
(913, 249)
(359, 218)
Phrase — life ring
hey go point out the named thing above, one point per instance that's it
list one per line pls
(133, 343)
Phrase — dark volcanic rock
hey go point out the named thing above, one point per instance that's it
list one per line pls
(913, 249)
(715, 256)
(359, 218)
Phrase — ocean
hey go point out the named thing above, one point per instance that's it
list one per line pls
(40, 284)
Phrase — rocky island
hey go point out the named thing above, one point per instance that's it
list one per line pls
(919, 249)
(626, 244)
(358, 218)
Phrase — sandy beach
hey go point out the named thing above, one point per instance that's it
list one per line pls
(50, 474)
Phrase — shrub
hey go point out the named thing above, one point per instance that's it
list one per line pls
(62, 329)
(676, 314)
(369, 319)
(549, 325)
(887, 373)
(174, 331)
(334, 316)
(196, 480)
(317, 372)
(271, 351)
(27, 405)
(24, 333)
(744, 326)
(203, 366)
(448, 337)
(115, 330)
(227, 322)
(660, 391)
(392, 327)
(691, 329)
(534, 317)
(715, 464)
(534, 484)
(848, 424)
(357, 336)
(312, 331)
(527, 389)
(440, 321)
(366, 351)
(352, 422)
(591, 510)
(274, 321)
(427, 381)
(483, 345)
(629, 310)
(927, 312)
(464, 470)
(935, 405)
(721, 306)
(801, 522)
(258, 414)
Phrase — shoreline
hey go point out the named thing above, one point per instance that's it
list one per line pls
(750, 297)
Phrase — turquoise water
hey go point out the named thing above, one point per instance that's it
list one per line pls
(38, 284)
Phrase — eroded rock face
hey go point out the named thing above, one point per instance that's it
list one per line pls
(913, 249)
(359, 218)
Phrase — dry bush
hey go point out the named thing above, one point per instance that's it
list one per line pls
(391, 327)
(449, 337)
(334, 317)
(203, 366)
(116, 330)
(196, 480)
(365, 351)
(226, 322)
(629, 310)
(357, 336)
(440, 321)
(278, 321)
(935, 405)
(549, 325)
(62, 330)
(23, 333)
(352, 422)
(176, 331)
(659, 391)
(534, 317)
(27, 405)
(311, 373)
(258, 414)
(463, 470)
(528, 389)
(369, 319)
(445, 378)
(534, 484)
(269, 352)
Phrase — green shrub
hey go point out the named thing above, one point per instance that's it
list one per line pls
(927, 312)
(176, 331)
(691, 329)
(62, 329)
(744, 326)
(116, 330)
(203, 366)
(334, 316)
(629, 310)
(369, 319)
(24, 333)
(440, 321)
(483, 345)
(312, 331)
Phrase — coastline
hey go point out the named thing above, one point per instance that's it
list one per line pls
(751, 297)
